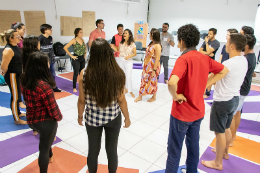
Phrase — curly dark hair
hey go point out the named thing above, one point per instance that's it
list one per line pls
(30, 45)
(130, 39)
(189, 34)
(37, 69)
(104, 79)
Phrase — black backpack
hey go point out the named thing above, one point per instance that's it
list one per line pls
(58, 49)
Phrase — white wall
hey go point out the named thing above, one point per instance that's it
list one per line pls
(111, 12)
(204, 13)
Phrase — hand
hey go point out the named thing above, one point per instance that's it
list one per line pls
(2, 73)
(180, 98)
(211, 55)
(168, 40)
(153, 74)
(127, 57)
(254, 74)
(127, 122)
(206, 39)
(80, 119)
(74, 57)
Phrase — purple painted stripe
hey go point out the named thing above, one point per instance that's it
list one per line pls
(250, 127)
(66, 85)
(234, 164)
(18, 147)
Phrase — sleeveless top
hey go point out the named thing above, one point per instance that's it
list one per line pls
(15, 65)
(79, 49)
(96, 116)
(118, 39)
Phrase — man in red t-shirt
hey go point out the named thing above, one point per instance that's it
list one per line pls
(116, 40)
(187, 85)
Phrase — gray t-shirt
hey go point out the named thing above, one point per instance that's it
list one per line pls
(165, 44)
(214, 44)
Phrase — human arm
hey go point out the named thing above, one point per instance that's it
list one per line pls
(172, 87)
(220, 58)
(123, 105)
(170, 41)
(133, 55)
(90, 42)
(158, 50)
(7, 57)
(50, 102)
(72, 42)
(81, 99)
(217, 76)
(116, 49)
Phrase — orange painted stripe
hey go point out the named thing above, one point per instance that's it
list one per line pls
(65, 161)
(255, 88)
(59, 95)
(244, 148)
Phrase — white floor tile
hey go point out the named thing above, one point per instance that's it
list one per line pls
(67, 131)
(148, 150)
(165, 94)
(254, 138)
(161, 101)
(147, 106)
(206, 138)
(252, 99)
(5, 111)
(250, 116)
(137, 113)
(67, 147)
(127, 140)
(163, 112)
(153, 168)
(63, 107)
(4, 136)
(79, 142)
(159, 136)
(154, 120)
(129, 160)
(18, 132)
(165, 126)
(70, 114)
(161, 162)
(244, 135)
(141, 129)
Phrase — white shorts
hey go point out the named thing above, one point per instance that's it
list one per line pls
(241, 103)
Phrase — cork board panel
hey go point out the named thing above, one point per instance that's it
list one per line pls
(89, 22)
(69, 24)
(7, 17)
(33, 21)
(141, 37)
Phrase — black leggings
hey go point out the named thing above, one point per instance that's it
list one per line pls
(77, 65)
(47, 130)
(13, 82)
(112, 130)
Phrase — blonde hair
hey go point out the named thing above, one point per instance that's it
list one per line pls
(7, 35)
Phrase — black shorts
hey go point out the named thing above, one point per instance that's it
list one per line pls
(221, 114)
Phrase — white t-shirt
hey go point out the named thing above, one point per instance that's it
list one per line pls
(229, 86)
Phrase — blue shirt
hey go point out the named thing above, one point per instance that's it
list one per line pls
(225, 55)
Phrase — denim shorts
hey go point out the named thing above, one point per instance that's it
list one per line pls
(241, 103)
(221, 114)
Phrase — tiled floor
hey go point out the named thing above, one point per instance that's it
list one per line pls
(143, 146)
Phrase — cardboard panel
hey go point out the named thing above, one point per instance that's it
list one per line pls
(33, 21)
(88, 20)
(69, 24)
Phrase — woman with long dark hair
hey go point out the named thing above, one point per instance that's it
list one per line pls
(127, 50)
(151, 69)
(11, 70)
(31, 44)
(42, 110)
(78, 58)
(101, 91)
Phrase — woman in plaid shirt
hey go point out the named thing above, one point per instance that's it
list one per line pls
(42, 110)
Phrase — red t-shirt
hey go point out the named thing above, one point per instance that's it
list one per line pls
(192, 68)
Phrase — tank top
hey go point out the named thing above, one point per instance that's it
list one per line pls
(15, 65)
(79, 49)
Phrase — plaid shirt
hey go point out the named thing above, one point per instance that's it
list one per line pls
(41, 104)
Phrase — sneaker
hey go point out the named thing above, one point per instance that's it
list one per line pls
(56, 90)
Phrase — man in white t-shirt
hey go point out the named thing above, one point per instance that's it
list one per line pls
(226, 98)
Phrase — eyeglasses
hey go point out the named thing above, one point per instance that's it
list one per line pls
(102, 23)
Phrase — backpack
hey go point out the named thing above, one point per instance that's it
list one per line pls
(58, 49)
(2, 80)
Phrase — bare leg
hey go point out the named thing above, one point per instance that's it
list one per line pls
(75, 90)
(220, 150)
(126, 91)
(132, 94)
(152, 99)
(139, 98)
(234, 125)
(20, 122)
(22, 105)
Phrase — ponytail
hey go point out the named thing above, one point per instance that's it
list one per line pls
(7, 35)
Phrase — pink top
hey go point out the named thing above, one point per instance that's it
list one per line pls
(20, 45)
(95, 34)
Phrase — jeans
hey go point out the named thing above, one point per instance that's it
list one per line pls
(112, 130)
(52, 70)
(164, 61)
(47, 130)
(178, 131)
